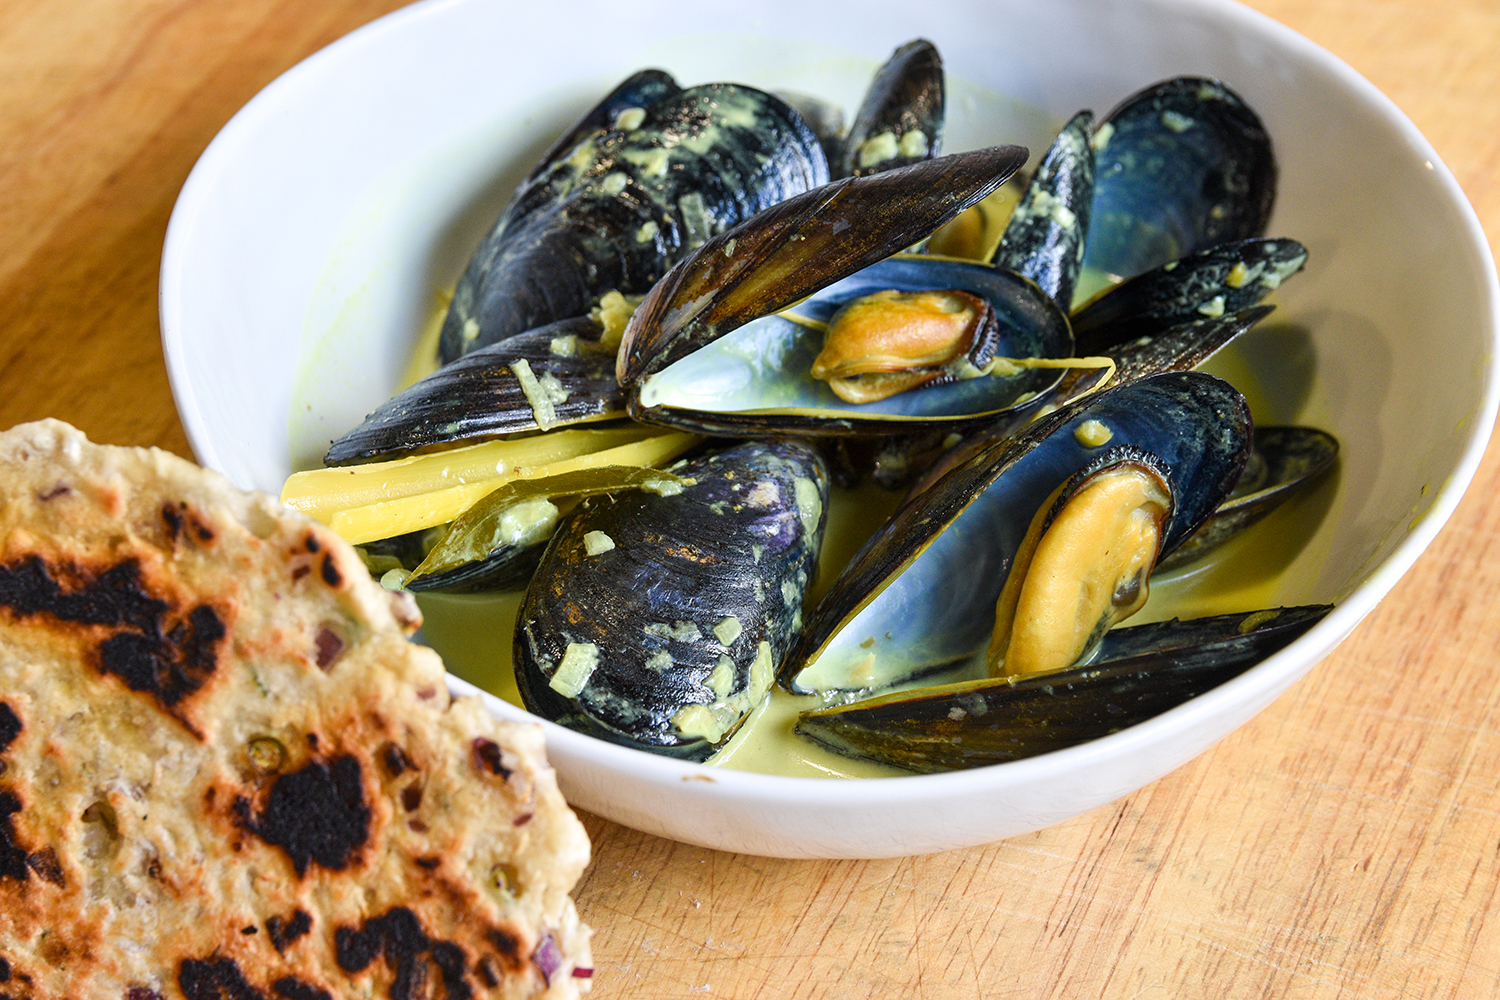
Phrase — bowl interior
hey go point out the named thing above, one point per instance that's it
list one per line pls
(309, 242)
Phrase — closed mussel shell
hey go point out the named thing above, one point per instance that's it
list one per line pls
(657, 620)
(554, 376)
(900, 120)
(618, 209)
(640, 90)
(921, 594)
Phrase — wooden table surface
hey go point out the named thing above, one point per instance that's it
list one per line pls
(1344, 844)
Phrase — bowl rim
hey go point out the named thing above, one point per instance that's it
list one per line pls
(1263, 682)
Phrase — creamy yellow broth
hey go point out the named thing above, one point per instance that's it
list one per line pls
(474, 632)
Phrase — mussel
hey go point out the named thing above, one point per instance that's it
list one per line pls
(640, 185)
(1045, 237)
(1139, 672)
(1224, 278)
(497, 543)
(1284, 462)
(923, 593)
(557, 375)
(657, 620)
(900, 120)
(1045, 541)
(715, 348)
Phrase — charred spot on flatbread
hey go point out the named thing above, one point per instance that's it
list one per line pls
(16, 862)
(398, 937)
(394, 760)
(331, 574)
(112, 597)
(285, 931)
(151, 650)
(45, 864)
(490, 757)
(215, 979)
(169, 666)
(292, 988)
(10, 728)
(316, 813)
(182, 521)
(12, 854)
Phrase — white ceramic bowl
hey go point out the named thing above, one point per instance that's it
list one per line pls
(308, 242)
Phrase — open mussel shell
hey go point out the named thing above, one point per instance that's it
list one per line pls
(1139, 672)
(1171, 319)
(900, 121)
(1225, 278)
(1046, 235)
(1181, 166)
(921, 593)
(759, 377)
(553, 376)
(619, 208)
(818, 247)
(1286, 460)
(656, 621)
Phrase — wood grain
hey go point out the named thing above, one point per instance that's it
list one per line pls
(1345, 844)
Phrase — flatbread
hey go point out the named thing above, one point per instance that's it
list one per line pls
(226, 773)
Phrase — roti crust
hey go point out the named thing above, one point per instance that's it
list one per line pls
(226, 772)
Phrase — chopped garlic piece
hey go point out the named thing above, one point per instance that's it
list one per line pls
(1093, 434)
(728, 630)
(578, 664)
(540, 396)
(878, 149)
(914, 144)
